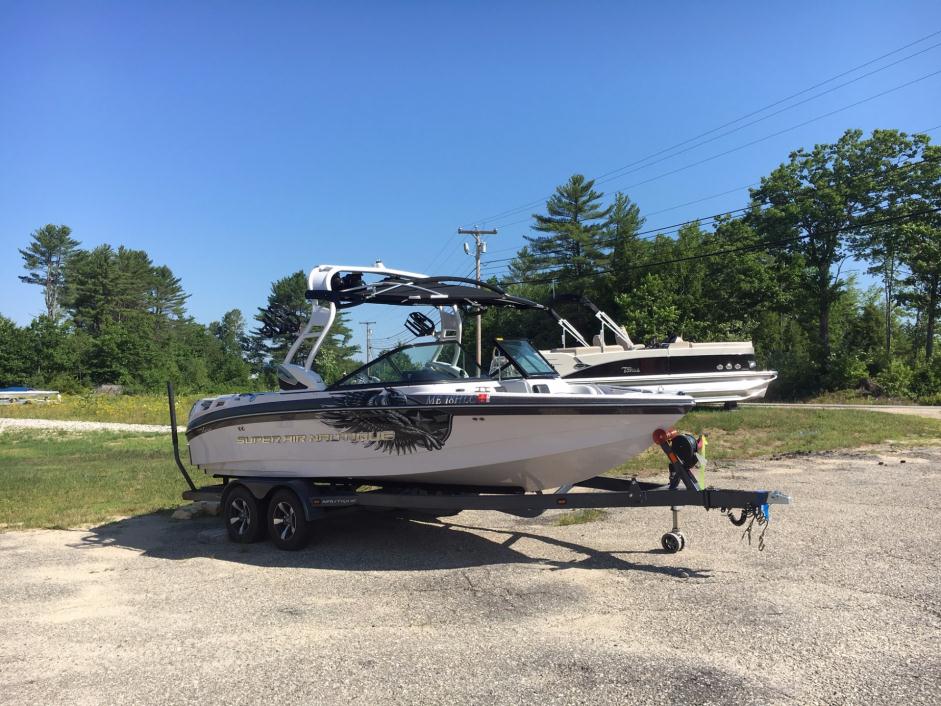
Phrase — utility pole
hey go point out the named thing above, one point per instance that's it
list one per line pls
(479, 247)
(367, 324)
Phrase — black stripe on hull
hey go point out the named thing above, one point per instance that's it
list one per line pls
(666, 365)
(291, 410)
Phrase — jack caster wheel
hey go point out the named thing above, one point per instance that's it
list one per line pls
(672, 542)
(287, 525)
(243, 516)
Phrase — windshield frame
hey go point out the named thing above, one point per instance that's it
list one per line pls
(511, 360)
(340, 384)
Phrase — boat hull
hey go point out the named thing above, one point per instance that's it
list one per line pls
(538, 448)
(705, 388)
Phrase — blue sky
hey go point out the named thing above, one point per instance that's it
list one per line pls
(237, 142)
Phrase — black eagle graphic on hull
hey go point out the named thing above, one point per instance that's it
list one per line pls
(388, 411)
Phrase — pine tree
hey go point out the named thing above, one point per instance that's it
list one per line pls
(165, 293)
(624, 223)
(575, 243)
(45, 260)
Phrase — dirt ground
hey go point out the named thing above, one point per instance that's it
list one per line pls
(843, 606)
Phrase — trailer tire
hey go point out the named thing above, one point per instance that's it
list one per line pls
(288, 528)
(243, 516)
(672, 542)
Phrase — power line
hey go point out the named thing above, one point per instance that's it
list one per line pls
(704, 198)
(739, 119)
(668, 230)
(746, 248)
(611, 175)
(664, 210)
(676, 227)
(766, 137)
(665, 230)
(654, 232)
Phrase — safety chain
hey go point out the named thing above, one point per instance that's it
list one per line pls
(751, 515)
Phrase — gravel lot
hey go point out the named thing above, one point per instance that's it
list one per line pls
(844, 606)
(73, 425)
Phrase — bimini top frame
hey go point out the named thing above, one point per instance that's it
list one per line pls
(334, 287)
(410, 289)
(620, 335)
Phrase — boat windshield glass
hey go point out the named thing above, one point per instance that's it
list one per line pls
(435, 361)
(518, 358)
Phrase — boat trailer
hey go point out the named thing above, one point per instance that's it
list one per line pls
(290, 504)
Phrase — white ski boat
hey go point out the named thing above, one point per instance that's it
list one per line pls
(423, 413)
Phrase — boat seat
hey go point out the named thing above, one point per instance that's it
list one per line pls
(577, 349)
(597, 343)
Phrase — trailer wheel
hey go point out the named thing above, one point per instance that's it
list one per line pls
(242, 516)
(672, 542)
(287, 525)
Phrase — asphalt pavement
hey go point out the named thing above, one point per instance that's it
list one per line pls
(843, 606)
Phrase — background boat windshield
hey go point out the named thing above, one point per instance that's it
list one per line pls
(419, 363)
(521, 354)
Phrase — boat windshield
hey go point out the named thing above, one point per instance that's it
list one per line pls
(434, 361)
(518, 358)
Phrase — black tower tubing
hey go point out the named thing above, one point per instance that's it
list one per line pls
(171, 399)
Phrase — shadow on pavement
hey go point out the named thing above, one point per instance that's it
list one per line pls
(364, 541)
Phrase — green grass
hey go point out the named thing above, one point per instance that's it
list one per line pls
(860, 398)
(152, 409)
(753, 432)
(580, 517)
(59, 479)
(130, 409)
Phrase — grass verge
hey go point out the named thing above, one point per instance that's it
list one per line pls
(130, 409)
(59, 479)
(860, 398)
(580, 517)
(753, 432)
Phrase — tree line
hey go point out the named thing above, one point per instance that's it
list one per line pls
(773, 271)
(776, 271)
(113, 316)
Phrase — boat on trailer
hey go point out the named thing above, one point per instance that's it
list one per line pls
(423, 412)
(712, 373)
(421, 428)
